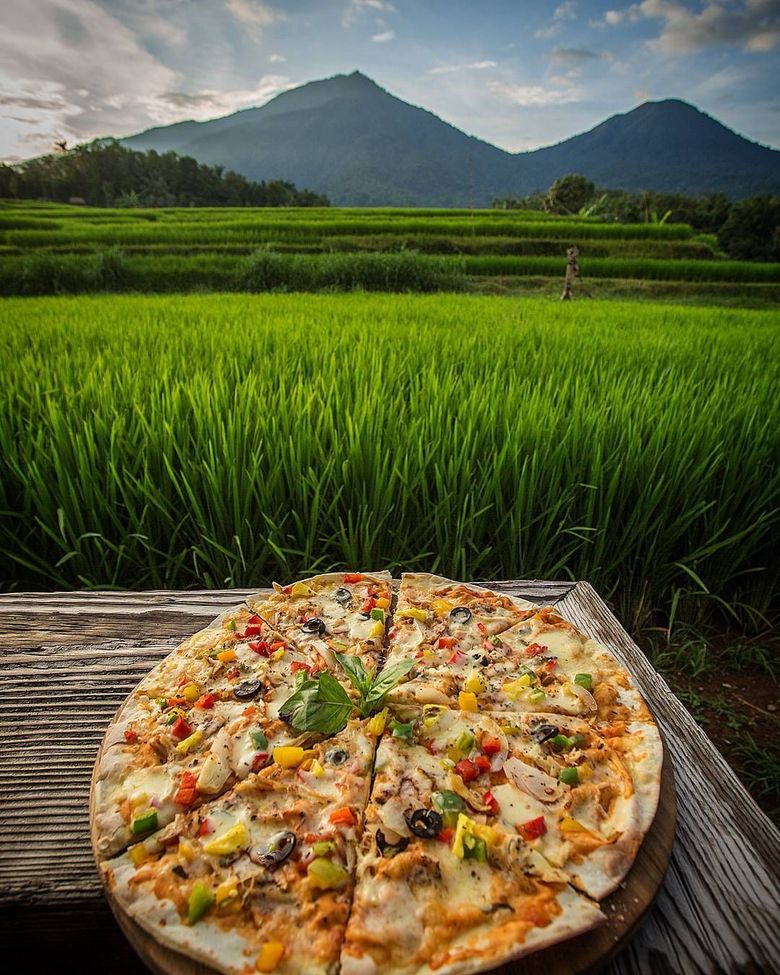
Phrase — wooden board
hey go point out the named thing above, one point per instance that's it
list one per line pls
(68, 659)
(586, 953)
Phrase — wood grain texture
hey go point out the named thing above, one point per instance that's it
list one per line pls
(67, 660)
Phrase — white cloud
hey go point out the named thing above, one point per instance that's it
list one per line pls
(383, 37)
(472, 66)
(535, 95)
(357, 8)
(566, 11)
(254, 12)
(207, 104)
(753, 25)
(277, 59)
(613, 17)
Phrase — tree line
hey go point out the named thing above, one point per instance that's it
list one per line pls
(105, 173)
(746, 229)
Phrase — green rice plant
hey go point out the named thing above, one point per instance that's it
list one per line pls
(229, 439)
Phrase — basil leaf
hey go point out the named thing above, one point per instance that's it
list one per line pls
(354, 668)
(384, 683)
(319, 705)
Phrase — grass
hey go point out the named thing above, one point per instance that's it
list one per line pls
(228, 440)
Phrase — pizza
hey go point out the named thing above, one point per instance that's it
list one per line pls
(339, 776)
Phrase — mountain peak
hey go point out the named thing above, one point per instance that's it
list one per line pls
(348, 137)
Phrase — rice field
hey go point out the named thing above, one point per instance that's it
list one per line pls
(227, 440)
(49, 249)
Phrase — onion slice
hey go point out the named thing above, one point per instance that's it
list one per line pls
(532, 781)
(584, 695)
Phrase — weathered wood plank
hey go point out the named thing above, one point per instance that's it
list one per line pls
(69, 659)
(719, 905)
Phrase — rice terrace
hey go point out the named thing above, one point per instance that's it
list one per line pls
(390, 514)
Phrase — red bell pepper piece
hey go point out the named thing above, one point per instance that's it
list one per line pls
(447, 642)
(263, 647)
(187, 791)
(533, 829)
(490, 745)
(491, 802)
(467, 769)
(252, 629)
(205, 702)
(351, 577)
(131, 737)
(342, 817)
(368, 605)
(180, 728)
(259, 761)
(297, 665)
(535, 649)
(483, 763)
(446, 834)
(205, 828)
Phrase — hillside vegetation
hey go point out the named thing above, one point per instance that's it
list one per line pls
(48, 249)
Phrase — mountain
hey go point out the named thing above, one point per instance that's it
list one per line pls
(347, 137)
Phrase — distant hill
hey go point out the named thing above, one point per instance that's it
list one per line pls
(349, 138)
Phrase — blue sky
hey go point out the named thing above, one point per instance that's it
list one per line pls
(518, 74)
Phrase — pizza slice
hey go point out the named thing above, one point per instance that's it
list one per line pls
(261, 878)
(580, 801)
(336, 612)
(440, 624)
(442, 886)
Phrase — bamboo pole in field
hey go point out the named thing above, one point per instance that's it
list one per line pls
(572, 270)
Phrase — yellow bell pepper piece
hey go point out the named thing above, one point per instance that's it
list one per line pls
(301, 589)
(225, 893)
(515, 688)
(288, 756)
(270, 956)
(569, 825)
(377, 724)
(378, 629)
(467, 702)
(189, 743)
(487, 833)
(383, 603)
(186, 849)
(474, 683)
(236, 837)
(139, 854)
(442, 606)
(190, 692)
(317, 770)
(226, 656)
(584, 772)
(464, 826)
(413, 614)
(278, 654)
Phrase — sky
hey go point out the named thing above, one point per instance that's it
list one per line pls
(517, 74)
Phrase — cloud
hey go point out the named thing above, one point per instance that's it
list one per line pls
(33, 102)
(277, 59)
(207, 104)
(472, 66)
(642, 95)
(358, 8)
(574, 56)
(564, 11)
(383, 37)
(254, 12)
(613, 17)
(535, 95)
(753, 25)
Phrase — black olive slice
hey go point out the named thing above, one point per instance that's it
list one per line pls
(390, 849)
(343, 596)
(461, 614)
(336, 756)
(313, 625)
(276, 852)
(425, 822)
(248, 689)
(542, 732)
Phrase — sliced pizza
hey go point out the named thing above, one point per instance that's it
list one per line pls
(261, 878)
(581, 801)
(442, 886)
